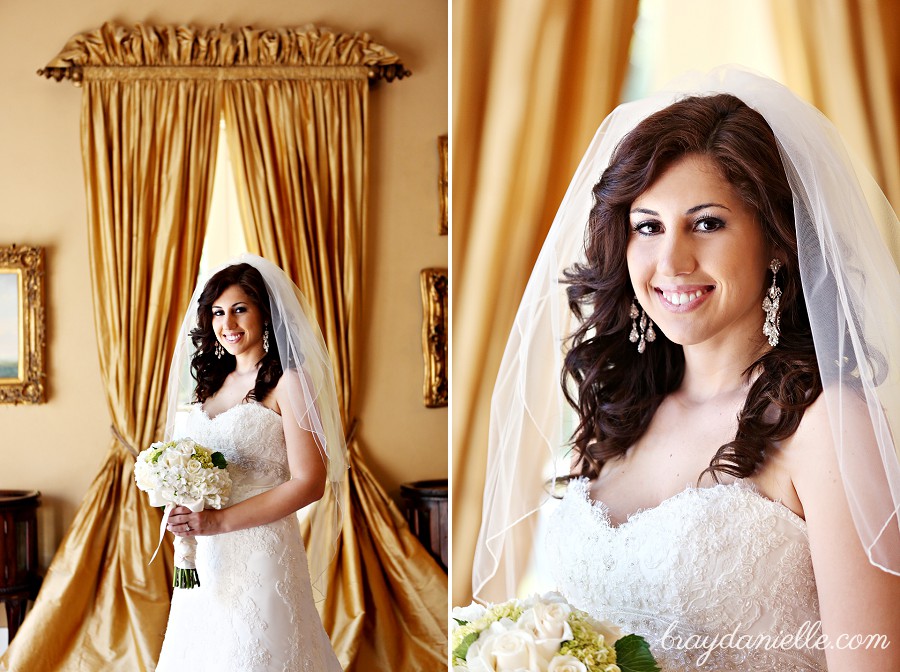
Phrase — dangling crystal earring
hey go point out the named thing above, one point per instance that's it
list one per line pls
(647, 333)
(266, 338)
(219, 350)
(771, 306)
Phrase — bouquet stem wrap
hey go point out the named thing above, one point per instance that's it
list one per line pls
(185, 574)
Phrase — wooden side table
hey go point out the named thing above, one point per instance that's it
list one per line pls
(426, 513)
(19, 579)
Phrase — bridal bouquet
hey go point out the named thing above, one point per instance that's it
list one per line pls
(182, 473)
(542, 634)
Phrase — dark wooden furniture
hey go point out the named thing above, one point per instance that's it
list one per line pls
(426, 513)
(19, 579)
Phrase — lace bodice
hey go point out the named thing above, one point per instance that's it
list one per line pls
(705, 562)
(254, 609)
(251, 438)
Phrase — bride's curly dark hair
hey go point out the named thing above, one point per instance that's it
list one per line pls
(616, 390)
(208, 370)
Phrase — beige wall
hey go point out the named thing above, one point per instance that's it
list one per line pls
(58, 447)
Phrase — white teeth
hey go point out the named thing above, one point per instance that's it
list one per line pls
(681, 298)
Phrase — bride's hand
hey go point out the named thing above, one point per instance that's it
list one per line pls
(183, 523)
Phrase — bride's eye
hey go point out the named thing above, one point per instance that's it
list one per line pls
(218, 312)
(646, 228)
(708, 224)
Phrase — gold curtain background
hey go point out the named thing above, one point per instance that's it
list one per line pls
(531, 83)
(843, 56)
(101, 607)
(302, 180)
(147, 212)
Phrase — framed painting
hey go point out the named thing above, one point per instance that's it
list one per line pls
(443, 185)
(434, 335)
(22, 325)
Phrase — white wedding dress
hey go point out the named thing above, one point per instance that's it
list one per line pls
(703, 563)
(254, 610)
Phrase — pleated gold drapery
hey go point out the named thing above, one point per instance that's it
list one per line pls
(301, 179)
(101, 607)
(843, 56)
(303, 188)
(532, 81)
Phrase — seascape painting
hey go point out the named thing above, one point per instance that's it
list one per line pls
(9, 325)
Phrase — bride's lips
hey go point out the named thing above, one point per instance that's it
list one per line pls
(683, 298)
(231, 339)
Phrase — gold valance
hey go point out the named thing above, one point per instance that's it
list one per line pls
(115, 51)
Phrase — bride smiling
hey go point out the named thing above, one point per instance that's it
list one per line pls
(718, 303)
(265, 398)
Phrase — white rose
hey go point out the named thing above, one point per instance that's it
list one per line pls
(553, 597)
(504, 648)
(185, 448)
(168, 459)
(548, 625)
(549, 620)
(566, 664)
(193, 467)
(611, 632)
(468, 614)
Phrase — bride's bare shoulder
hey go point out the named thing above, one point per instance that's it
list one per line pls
(814, 438)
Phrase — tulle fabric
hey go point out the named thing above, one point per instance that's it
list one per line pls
(850, 284)
(302, 349)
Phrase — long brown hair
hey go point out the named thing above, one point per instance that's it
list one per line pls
(614, 389)
(210, 371)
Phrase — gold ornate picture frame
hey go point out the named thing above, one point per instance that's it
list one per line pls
(434, 335)
(443, 184)
(22, 336)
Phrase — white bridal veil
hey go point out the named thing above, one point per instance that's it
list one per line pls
(851, 287)
(302, 349)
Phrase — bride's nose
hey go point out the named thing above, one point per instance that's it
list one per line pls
(676, 255)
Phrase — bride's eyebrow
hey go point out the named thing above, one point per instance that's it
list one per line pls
(239, 303)
(702, 206)
(689, 211)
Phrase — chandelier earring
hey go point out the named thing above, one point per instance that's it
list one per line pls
(219, 350)
(266, 337)
(771, 305)
(642, 331)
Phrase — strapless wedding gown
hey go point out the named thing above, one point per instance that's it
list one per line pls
(707, 562)
(254, 610)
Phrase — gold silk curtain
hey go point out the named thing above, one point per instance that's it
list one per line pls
(101, 607)
(532, 82)
(301, 179)
(843, 56)
(296, 107)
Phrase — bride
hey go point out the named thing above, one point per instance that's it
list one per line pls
(719, 306)
(265, 398)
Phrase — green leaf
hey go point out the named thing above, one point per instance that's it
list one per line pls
(633, 655)
(218, 460)
(460, 621)
(463, 648)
